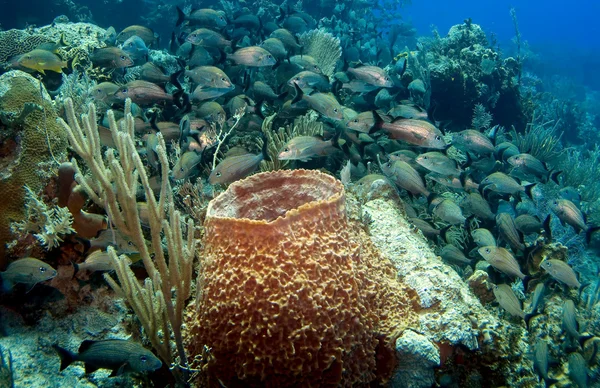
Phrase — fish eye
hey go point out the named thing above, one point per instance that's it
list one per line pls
(143, 358)
(335, 110)
(438, 137)
(218, 173)
(297, 79)
(286, 150)
(124, 90)
(28, 57)
(387, 78)
(356, 120)
(42, 269)
(223, 79)
(269, 56)
(221, 17)
(122, 57)
(424, 157)
(316, 67)
(487, 250)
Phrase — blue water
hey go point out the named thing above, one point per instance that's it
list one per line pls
(564, 34)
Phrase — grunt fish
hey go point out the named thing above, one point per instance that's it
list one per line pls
(40, 60)
(541, 359)
(304, 148)
(561, 271)
(253, 56)
(208, 38)
(439, 163)
(372, 75)
(324, 103)
(417, 132)
(111, 57)
(501, 259)
(184, 167)
(508, 231)
(404, 176)
(508, 300)
(471, 140)
(205, 17)
(143, 93)
(233, 168)
(121, 356)
(29, 271)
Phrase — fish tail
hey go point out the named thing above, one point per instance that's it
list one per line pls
(180, 17)
(554, 176)
(529, 189)
(549, 382)
(589, 232)
(527, 318)
(175, 79)
(66, 357)
(525, 281)
(547, 228)
(299, 93)
(75, 269)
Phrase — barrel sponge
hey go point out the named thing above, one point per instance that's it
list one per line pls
(26, 158)
(291, 293)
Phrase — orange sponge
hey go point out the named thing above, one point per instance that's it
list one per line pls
(291, 293)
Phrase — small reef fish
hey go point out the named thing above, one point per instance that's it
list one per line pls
(404, 176)
(578, 370)
(501, 183)
(308, 81)
(148, 36)
(508, 300)
(287, 38)
(305, 148)
(111, 57)
(501, 259)
(471, 140)
(29, 271)
(416, 132)
(530, 165)
(324, 103)
(528, 224)
(561, 271)
(143, 93)
(569, 322)
(408, 112)
(427, 229)
(104, 92)
(372, 75)
(453, 255)
(569, 214)
(40, 60)
(447, 210)
(439, 163)
(208, 38)
(95, 261)
(253, 56)
(185, 165)
(483, 237)
(210, 76)
(508, 231)
(541, 359)
(205, 17)
(120, 356)
(136, 49)
(275, 47)
(305, 62)
(233, 168)
(477, 205)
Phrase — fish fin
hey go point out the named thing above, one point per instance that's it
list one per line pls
(443, 232)
(549, 382)
(525, 281)
(554, 176)
(75, 269)
(66, 357)
(589, 233)
(529, 189)
(89, 368)
(41, 71)
(299, 93)
(547, 228)
(180, 17)
(85, 345)
(527, 318)
(119, 371)
(174, 79)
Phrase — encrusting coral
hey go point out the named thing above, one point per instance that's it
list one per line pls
(31, 144)
(291, 292)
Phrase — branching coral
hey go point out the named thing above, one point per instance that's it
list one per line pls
(49, 224)
(481, 118)
(114, 182)
(583, 168)
(324, 47)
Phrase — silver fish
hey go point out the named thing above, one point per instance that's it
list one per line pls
(561, 271)
(304, 148)
(502, 260)
(233, 168)
(29, 271)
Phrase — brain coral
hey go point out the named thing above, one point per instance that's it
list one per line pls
(15, 42)
(291, 292)
(25, 158)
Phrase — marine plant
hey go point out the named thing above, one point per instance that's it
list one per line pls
(49, 224)
(583, 167)
(540, 139)
(481, 118)
(221, 132)
(114, 181)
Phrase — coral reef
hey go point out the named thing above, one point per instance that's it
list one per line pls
(34, 143)
(324, 47)
(451, 316)
(291, 293)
